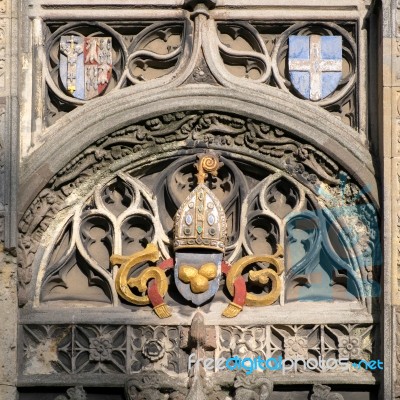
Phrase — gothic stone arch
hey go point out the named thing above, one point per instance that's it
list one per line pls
(194, 200)
(74, 325)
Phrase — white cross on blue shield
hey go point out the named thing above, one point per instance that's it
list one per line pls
(315, 65)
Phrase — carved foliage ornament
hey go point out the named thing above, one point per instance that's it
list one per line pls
(98, 350)
(152, 387)
(307, 342)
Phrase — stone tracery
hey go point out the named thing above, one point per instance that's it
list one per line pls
(222, 52)
(124, 216)
(278, 192)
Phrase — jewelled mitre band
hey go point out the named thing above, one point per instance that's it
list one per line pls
(200, 220)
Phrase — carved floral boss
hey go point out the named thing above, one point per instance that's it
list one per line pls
(200, 235)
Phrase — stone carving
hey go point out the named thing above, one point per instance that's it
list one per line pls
(360, 221)
(150, 359)
(296, 341)
(42, 211)
(71, 49)
(244, 53)
(85, 65)
(315, 65)
(201, 74)
(87, 253)
(75, 393)
(261, 277)
(303, 271)
(253, 387)
(106, 59)
(129, 349)
(197, 390)
(200, 223)
(198, 335)
(322, 392)
(341, 101)
(222, 131)
(76, 349)
(350, 347)
(156, 288)
(236, 51)
(296, 347)
(154, 385)
(100, 348)
(156, 347)
(153, 350)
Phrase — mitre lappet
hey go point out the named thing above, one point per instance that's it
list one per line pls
(200, 234)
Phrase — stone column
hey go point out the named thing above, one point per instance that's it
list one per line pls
(8, 182)
(8, 326)
(390, 153)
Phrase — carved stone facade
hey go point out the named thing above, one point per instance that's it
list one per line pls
(188, 182)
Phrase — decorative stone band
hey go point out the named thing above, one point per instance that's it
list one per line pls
(67, 352)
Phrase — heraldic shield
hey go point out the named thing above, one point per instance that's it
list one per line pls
(315, 65)
(199, 243)
(200, 237)
(85, 65)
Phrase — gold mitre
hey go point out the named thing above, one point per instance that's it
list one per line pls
(200, 221)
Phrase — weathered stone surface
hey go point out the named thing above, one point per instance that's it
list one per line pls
(189, 76)
(8, 326)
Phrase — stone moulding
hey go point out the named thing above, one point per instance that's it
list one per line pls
(83, 127)
(81, 353)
